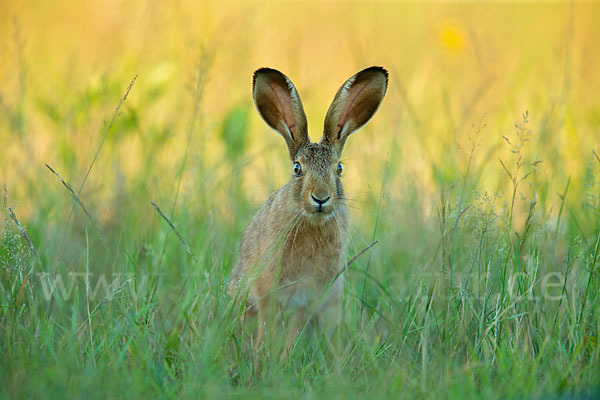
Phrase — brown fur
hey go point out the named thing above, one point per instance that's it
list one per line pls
(293, 249)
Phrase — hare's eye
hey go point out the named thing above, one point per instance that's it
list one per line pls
(297, 169)
(340, 168)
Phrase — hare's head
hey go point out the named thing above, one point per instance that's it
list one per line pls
(316, 167)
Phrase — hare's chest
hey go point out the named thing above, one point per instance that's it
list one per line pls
(311, 279)
(308, 249)
(311, 259)
(308, 259)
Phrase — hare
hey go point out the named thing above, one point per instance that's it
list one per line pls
(292, 252)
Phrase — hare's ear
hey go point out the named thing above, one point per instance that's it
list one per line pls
(279, 104)
(354, 105)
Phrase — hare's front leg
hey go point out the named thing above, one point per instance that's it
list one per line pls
(260, 336)
(262, 322)
(329, 317)
(297, 323)
(329, 314)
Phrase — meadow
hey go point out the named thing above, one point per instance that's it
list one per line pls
(131, 159)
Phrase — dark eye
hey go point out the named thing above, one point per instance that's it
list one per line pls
(340, 168)
(297, 169)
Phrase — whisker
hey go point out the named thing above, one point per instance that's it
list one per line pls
(296, 228)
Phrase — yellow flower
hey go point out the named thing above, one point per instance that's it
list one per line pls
(452, 37)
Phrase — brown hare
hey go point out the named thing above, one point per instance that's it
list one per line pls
(293, 249)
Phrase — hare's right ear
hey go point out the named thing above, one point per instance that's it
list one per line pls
(354, 105)
(279, 104)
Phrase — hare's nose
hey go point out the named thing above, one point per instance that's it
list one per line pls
(320, 201)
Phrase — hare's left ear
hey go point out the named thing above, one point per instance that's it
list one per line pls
(354, 105)
(279, 104)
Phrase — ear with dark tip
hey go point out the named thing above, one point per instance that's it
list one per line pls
(353, 106)
(278, 103)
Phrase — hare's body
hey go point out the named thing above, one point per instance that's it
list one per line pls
(292, 252)
(283, 248)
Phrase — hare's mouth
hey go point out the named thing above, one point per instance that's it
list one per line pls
(319, 212)
(318, 218)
